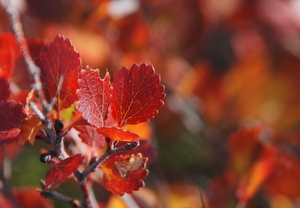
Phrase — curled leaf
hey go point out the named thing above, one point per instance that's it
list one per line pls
(124, 173)
(118, 134)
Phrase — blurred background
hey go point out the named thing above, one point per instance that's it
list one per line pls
(225, 64)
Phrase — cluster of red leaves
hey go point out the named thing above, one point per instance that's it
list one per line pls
(102, 110)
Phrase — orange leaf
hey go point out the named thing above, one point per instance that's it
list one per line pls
(118, 134)
(30, 128)
(124, 173)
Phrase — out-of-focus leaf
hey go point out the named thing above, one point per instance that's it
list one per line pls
(137, 94)
(5, 91)
(94, 95)
(244, 146)
(6, 63)
(118, 134)
(59, 60)
(142, 129)
(262, 170)
(77, 119)
(90, 135)
(31, 198)
(59, 172)
(11, 116)
(124, 173)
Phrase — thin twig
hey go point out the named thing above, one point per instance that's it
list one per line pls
(53, 194)
(109, 151)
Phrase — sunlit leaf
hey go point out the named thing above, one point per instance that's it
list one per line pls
(124, 173)
(118, 134)
(137, 94)
(94, 95)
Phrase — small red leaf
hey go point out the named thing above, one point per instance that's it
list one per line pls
(62, 170)
(124, 173)
(137, 94)
(11, 116)
(118, 134)
(59, 60)
(30, 127)
(90, 136)
(4, 89)
(94, 95)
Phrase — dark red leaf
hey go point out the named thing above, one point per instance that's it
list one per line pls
(118, 134)
(11, 116)
(94, 95)
(124, 173)
(137, 94)
(4, 89)
(62, 170)
(90, 135)
(59, 60)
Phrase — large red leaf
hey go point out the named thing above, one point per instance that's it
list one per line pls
(137, 94)
(59, 60)
(124, 173)
(90, 135)
(62, 170)
(11, 116)
(118, 134)
(4, 89)
(94, 95)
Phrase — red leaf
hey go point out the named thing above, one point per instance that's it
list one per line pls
(90, 135)
(6, 63)
(4, 89)
(11, 116)
(60, 60)
(118, 134)
(94, 95)
(137, 94)
(9, 50)
(124, 173)
(62, 170)
(77, 119)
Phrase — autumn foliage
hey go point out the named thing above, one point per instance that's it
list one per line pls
(214, 125)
